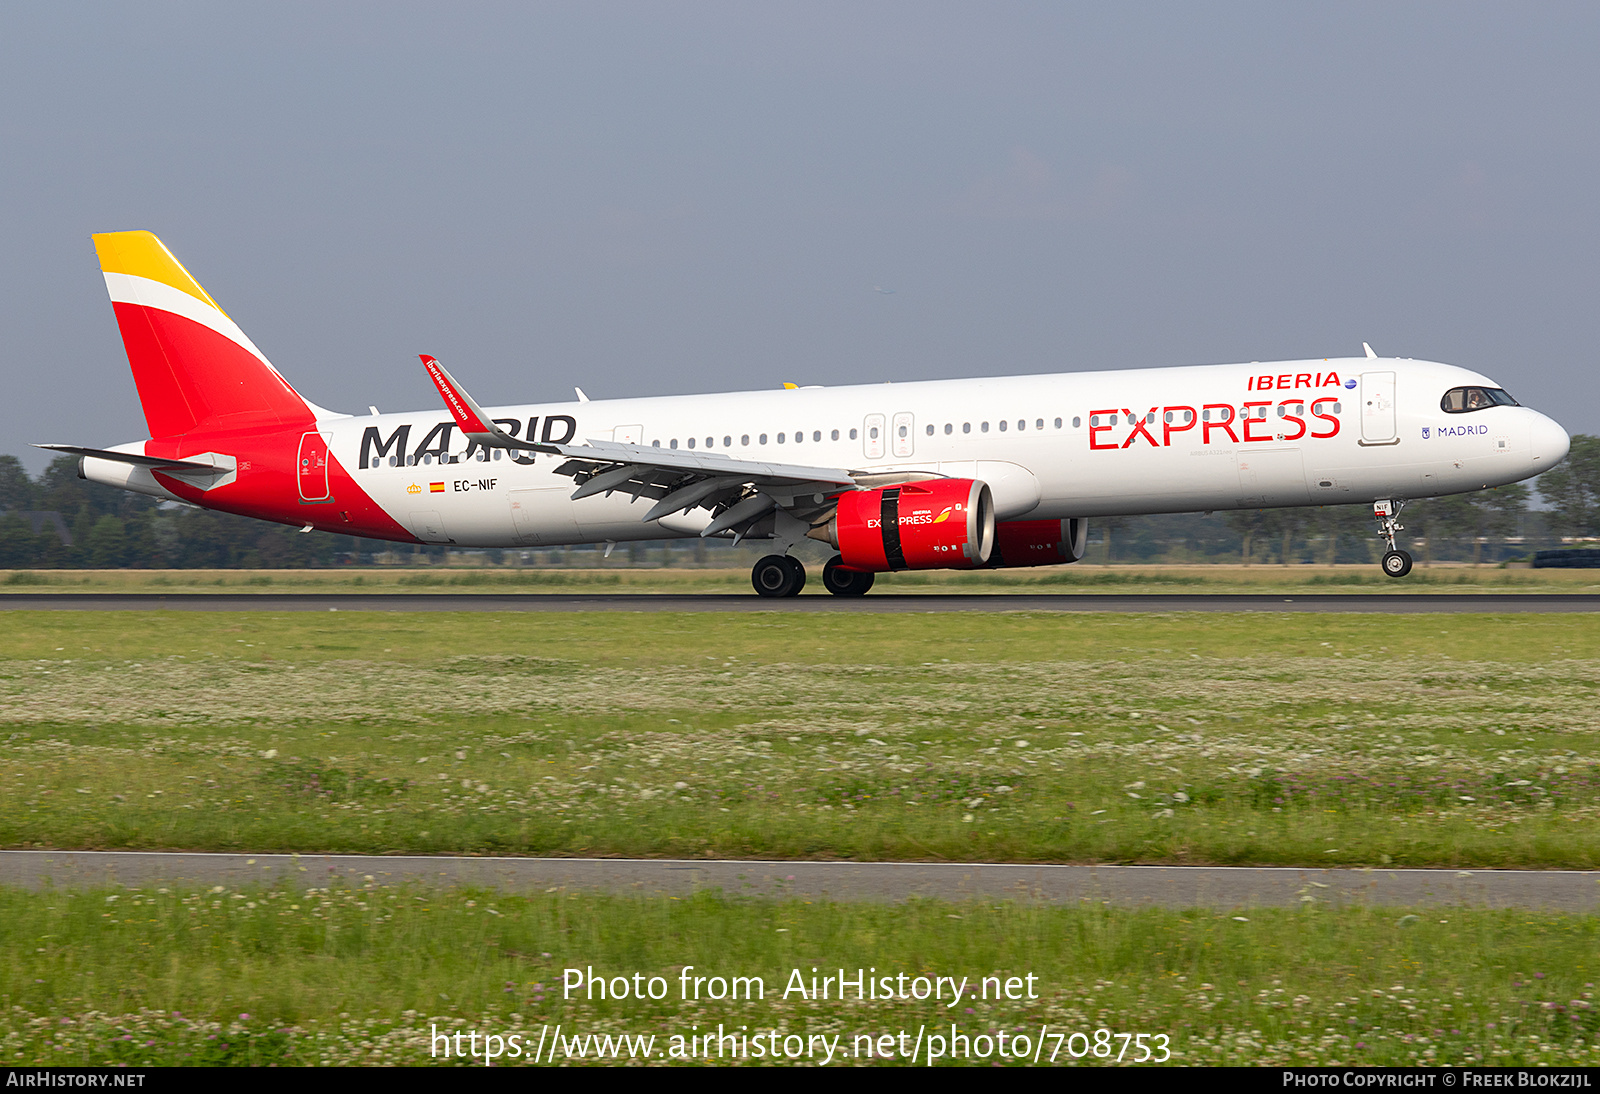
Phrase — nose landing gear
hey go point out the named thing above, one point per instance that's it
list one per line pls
(1396, 563)
(778, 575)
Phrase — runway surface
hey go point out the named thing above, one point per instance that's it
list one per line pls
(730, 602)
(1221, 887)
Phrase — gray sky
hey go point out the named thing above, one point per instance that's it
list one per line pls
(666, 198)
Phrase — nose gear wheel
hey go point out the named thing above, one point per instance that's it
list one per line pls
(1396, 563)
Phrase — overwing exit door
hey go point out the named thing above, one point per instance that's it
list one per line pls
(902, 435)
(872, 437)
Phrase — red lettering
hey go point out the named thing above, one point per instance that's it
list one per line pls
(1188, 416)
(1302, 379)
(1226, 425)
(1093, 429)
(1250, 384)
(1138, 429)
(1283, 382)
(1331, 378)
(1263, 383)
(1291, 416)
(1325, 417)
(1251, 420)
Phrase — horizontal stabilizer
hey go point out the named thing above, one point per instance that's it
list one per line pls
(155, 463)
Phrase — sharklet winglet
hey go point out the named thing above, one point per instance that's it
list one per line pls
(472, 419)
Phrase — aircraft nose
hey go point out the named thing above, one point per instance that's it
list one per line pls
(1548, 442)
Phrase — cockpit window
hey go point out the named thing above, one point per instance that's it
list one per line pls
(1464, 400)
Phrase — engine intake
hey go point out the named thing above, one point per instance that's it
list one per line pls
(937, 524)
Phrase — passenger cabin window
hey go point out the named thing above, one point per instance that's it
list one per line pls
(1077, 423)
(1464, 400)
(852, 434)
(835, 434)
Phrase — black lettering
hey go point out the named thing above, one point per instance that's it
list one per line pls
(442, 432)
(396, 443)
(549, 429)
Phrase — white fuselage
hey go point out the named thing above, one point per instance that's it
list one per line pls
(1200, 438)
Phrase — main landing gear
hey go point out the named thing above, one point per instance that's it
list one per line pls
(841, 582)
(778, 575)
(1396, 563)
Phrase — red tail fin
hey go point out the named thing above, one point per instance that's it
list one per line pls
(192, 364)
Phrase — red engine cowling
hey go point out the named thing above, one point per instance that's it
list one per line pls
(1039, 542)
(936, 524)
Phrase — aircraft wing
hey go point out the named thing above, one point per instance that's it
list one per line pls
(737, 492)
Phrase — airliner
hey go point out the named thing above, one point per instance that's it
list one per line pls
(942, 474)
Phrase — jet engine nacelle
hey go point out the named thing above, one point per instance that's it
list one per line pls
(936, 524)
(1039, 542)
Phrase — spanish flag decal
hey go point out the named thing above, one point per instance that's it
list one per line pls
(436, 488)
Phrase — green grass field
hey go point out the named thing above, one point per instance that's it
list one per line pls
(1418, 740)
(1462, 740)
(366, 975)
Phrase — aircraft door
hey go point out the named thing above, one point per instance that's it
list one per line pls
(872, 437)
(1377, 408)
(904, 438)
(311, 470)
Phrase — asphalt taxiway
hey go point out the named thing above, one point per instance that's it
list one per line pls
(1219, 887)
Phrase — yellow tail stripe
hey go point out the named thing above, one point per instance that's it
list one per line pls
(143, 255)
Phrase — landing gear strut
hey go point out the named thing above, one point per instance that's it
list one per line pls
(1396, 563)
(778, 575)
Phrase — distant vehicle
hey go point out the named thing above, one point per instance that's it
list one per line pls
(957, 474)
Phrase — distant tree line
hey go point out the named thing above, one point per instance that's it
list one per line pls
(101, 527)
